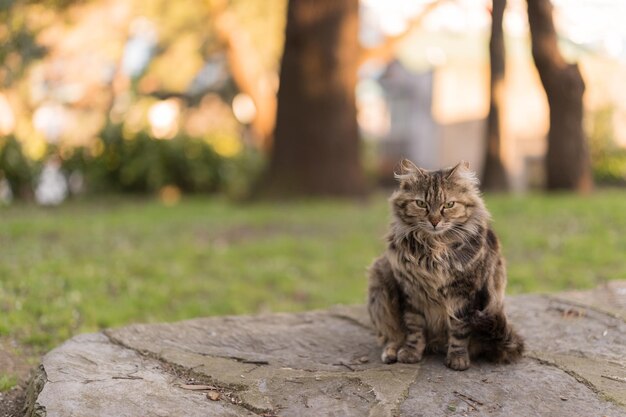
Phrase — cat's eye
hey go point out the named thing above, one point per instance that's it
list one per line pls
(449, 204)
(420, 203)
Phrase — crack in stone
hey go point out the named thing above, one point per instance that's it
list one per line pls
(238, 359)
(395, 410)
(173, 368)
(579, 378)
(182, 372)
(179, 371)
(235, 358)
(350, 320)
(386, 406)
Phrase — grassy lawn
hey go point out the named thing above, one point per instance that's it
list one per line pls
(89, 265)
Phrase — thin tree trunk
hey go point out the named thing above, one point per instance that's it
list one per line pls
(249, 75)
(494, 175)
(567, 158)
(316, 148)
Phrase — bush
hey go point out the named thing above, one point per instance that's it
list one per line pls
(143, 164)
(611, 168)
(19, 171)
(138, 163)
(608, 161)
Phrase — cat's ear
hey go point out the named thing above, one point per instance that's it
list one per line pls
(462, 171)
(407, 169)
(407, 173)
(458, 168)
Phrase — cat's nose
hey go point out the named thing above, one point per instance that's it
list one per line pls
(434, 221)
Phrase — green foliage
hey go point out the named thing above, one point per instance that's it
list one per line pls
(243, 173)
(7, 382)
(18, 49)
(16, 168)
(611, 168)
(57, 4)
(93, 264)
(139, 163)
(194, 21)
(144, 164)
(608, 161)
(18, 44)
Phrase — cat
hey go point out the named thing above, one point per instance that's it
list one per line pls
(440, 284)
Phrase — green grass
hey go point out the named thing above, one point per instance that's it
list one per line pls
(7, 382)
(89, 265)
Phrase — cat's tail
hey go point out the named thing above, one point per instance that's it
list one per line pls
(494, 338)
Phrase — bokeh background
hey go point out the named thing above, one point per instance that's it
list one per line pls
(161, 160)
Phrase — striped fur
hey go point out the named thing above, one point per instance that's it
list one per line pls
(440, 284)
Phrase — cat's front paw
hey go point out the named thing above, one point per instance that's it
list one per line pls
(458, 362)
(390, 354)
(408, 355)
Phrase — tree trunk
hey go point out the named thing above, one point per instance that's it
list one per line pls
(316, 147)
(494, 174)
(567, 159)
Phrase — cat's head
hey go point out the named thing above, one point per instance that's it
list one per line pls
(437, 202)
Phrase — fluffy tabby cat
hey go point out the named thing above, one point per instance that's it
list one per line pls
(440, 283)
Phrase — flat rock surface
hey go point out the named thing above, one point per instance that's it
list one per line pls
(326, 363)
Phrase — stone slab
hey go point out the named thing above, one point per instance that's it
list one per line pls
(326, 363)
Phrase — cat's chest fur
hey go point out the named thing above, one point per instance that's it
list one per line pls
(423, 272)
(422, 278)
(422, 269)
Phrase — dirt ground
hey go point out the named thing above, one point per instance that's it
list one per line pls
(17, 361)
(12, 402)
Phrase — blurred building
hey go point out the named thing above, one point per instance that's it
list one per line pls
(412, 127)
(432, 133)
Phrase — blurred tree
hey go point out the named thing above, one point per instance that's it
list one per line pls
(20, 23)
(18, 30)
(494, 174)
(316, 146)
(249, 40)
(16, 168)
(385, 51)
(249, 73)
(567, 160)
(248, 34)
(18, 47)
